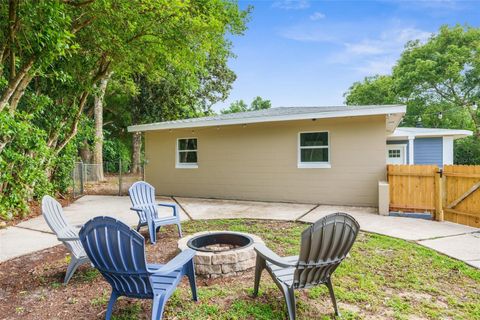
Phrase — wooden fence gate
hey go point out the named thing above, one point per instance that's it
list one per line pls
(451, 194)
(412, 188)
(461, 194)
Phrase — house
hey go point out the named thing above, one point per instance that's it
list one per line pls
(422, 145)
(329, 155)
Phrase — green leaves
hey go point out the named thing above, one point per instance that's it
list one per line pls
(441, 76)
(240, 106)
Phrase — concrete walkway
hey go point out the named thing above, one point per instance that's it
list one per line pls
(455, 240)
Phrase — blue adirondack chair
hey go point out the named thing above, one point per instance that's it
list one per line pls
(53, 213)
(118, 252)
(142, 196)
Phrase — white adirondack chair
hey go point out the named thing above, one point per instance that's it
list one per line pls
(53, 213)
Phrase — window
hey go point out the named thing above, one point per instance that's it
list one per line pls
(314, 150)
(187, 153)
(394, 153)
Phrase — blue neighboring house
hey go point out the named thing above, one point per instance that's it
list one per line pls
(422, 145)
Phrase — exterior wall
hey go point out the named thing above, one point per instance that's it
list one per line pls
(259, 162)
(428, 151)
(447, 150)
(406, 142)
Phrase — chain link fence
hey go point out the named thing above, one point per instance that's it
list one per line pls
(109, 178)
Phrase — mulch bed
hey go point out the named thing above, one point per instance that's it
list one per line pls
(31, 286)
(36, 209)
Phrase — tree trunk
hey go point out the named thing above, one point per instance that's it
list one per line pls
(74, 128)
(85, 152)
(98, 115)
(13, 84)
(19, 93)
(12, 19)
(137, 149)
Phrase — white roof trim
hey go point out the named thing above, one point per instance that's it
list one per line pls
(402, 133)
(397, 110)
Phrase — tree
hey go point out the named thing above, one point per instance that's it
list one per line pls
(259, 104)
(443, 71)
(439, 81)
(240, 106)
(236, 106)
(55, 61)
(372, 90)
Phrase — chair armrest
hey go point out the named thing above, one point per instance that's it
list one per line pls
(176, 263)
(68, 234)
(168, 205)
(272, 257)
(138, 208)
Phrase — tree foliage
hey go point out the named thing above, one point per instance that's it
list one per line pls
(240, 106)
(439, 81)
(53, 55)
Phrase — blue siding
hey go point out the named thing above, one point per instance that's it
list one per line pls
(428, 151)
(401, 142)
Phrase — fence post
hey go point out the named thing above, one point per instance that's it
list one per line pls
(120, 177)
(73, 178)
(81, 177)
(438, 196)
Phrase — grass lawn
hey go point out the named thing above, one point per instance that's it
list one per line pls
(384, 278)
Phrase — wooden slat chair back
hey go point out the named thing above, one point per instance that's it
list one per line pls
(142, 196)
(323, 247)
(53, 214)
(118, 252)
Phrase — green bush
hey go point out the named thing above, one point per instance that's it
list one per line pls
(115, 149)
(24, 164)
(467, 151)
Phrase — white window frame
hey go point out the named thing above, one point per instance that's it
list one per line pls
(314, 165)
(398, 146)
(180, 165)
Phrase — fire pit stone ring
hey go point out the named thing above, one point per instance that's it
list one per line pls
(221, 253)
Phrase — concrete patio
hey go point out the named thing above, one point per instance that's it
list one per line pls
(455, 240)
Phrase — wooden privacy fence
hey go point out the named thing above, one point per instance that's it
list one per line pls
(452, 194)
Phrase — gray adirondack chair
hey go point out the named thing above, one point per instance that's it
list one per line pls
(142, 196)
(53, 213)
(118, 252)
(323, 247)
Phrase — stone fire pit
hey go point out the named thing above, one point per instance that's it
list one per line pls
(221, 253)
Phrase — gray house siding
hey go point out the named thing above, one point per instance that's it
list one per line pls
(401, 142)
(428, 151)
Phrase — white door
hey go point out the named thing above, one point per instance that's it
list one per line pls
(396, 154)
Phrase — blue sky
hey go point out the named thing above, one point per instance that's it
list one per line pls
(307, 53)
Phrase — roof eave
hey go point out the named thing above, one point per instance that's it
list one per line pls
(398, 110)
(457, 134)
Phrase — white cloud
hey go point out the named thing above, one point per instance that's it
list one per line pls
(357, 46)
(378, 55)
(389, 41)
(382, 65)
(291, 4)
(317, 16)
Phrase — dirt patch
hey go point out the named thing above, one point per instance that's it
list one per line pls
(111, 184)
(31, 286)
(36, 209)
